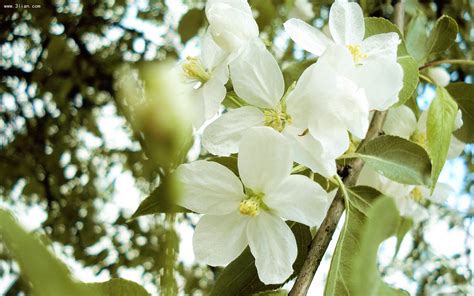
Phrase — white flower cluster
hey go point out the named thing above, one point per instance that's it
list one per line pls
(307, 123)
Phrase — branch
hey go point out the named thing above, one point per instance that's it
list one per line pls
(452, 62)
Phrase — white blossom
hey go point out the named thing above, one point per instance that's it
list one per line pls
(251, 210)
(315, 116)
(231, 23)
(375, 57)
(401, 121)
(207, 75)
(407, 197)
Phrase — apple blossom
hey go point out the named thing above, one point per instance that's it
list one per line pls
(407, 197)
(373, 63)
(208, 75)
(231, 23)
(314, 116)
(401, 121)
(251, 210)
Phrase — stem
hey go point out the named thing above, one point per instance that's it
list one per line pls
(426, 78)
(452, 62)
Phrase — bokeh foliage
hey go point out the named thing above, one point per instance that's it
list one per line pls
(58, 64)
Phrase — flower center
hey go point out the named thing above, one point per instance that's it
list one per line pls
(251, 205)
(194, 70)
(416, 194)
(276, 119)
(356, 52)
(419, 138)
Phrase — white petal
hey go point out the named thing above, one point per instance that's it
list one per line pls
(274, 247)
(346, 23)
(456, 147)
(401, 121)
(442, 192)
(331, 133)
(256, 76)
(309, 152)
(369, 177)
(306, 36)
(337, 58)
(213, 92)
(381, 46)
(222, 137)
(264, 159)
(230, 27)
(241, 5)
(211, 54)
(411, 209)
(382, 81)
(299, 199)
(209, 188)
(218, 240)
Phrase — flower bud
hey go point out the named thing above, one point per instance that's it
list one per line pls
(439, 75)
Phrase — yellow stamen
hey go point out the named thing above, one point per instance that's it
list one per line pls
(356, 52)
(276, 119)
(252, 204)
(194, 70)
(416, 194)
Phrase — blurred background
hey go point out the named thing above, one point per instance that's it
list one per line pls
(73, 167)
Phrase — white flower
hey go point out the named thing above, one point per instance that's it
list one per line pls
(252, 211)
(439, 75)
(401, 121)
(377, 69)
(314, 117)
(302, 9)
(407, 197)
(231, 23)
(208, 75)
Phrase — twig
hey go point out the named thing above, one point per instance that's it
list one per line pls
(449, 61)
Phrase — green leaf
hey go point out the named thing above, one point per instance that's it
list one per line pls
(440, 124)
(410, 78)
(397, 159)
(405, 225)
(417, 37)
(190, 24)
(240, 276)
(281, 292)
(382, 222)
(119, 287)
(229, 162)
(378, 25)
(443, 35)
(47, 275)
(463, 94)
(361, 199)
(161, 200)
